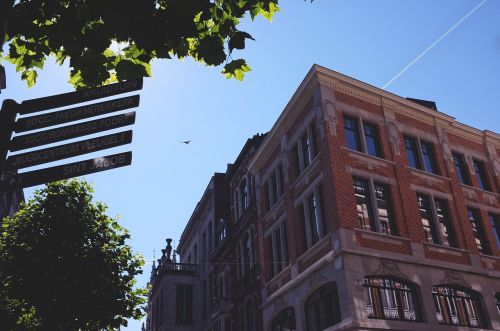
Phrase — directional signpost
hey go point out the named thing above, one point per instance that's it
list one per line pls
(9, 125)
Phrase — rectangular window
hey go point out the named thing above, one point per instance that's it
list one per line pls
(461, 168)
(351, 131)
(384, 211)
(305, 150)
(184, 304)
(481, 176)
(478, 231)
(495, 225)
(372, 140)
(428, 157)
(442, 213)
(373, 204)
(363, 204)
(312, 218)
(420, 155)
(435, 220)
(368, 142)
(279, 249)
(274, 186)
(412, 153)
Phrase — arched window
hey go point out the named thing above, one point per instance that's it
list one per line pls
(322, 308)
(390, 298)
(497, 300)
(457, 306)
(284, 320)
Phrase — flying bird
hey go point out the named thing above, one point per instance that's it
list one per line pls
(185, 142)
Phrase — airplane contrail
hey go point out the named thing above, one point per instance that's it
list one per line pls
(431, 46)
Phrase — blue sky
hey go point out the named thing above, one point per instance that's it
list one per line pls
(370, 40)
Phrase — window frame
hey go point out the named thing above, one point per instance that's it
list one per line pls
(273, 187)
(305, 147)
(183, 304)
(279, 247)
(372, 202)
(478, 230)
(435, 223)
(495, 227)
(306, 216)
(284, 320)
(461, 168)
(481, 175)
(358, 132)
(393, 294)
(327, 296)
(455, 307)
(423, 161)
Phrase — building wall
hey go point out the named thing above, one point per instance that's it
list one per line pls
(324, 98)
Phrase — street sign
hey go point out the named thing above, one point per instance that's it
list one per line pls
(66, 99)
(69, 170)
(75, 114)
(71, 131)
(60, 152)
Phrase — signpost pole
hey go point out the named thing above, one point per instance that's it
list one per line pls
(7, 120)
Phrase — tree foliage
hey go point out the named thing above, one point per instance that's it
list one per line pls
(83, 31)
(65, 264)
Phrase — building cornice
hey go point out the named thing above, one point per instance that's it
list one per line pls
(368, 93)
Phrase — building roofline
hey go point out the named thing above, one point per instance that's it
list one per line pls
(320, 75)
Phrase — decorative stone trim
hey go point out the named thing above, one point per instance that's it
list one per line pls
(407, 111)
(454, 277)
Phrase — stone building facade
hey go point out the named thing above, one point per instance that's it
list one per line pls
(368, 211)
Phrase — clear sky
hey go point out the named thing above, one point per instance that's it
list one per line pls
(370, 40)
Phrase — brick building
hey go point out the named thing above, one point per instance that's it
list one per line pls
(370, 212)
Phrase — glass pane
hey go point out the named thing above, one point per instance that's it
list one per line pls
(412, 153)
(495, 225)
(351, 131)
(386, 223)
(363, 204)
(481, 175)
(429, 160)
(372, 142)
(444, 221)
(461, 169)
(427, 218)
(477, 230)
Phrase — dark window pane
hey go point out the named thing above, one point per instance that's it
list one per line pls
(481, 175)
(314, 219)
(461, 169)
(427, 218)
(478, 231)
(429, 159)
(412, 153)
(444, 222)
(284, 321)
(363, 204)
(372, 140)
(495, 225)
(322, 308)
(184, 304)
(351, 131)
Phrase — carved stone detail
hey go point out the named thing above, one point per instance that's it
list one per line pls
(393, 131)
(445, 146)
(388, 267)
(279, 305)
(331, 116)
(454, 277)
(317, 278)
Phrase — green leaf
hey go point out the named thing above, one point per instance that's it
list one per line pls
(236, 69)
(237, 40)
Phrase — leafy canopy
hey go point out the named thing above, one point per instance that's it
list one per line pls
(141, 30)
(65, 264)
